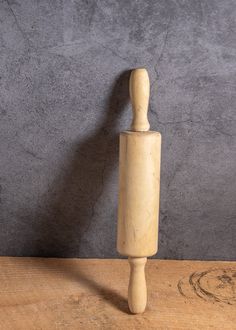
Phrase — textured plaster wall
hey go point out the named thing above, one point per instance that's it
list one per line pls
(64, 69)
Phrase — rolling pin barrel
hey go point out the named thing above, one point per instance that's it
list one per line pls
(139, 182)
(139, 193)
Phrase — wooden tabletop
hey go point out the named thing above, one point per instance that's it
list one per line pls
(38, 293)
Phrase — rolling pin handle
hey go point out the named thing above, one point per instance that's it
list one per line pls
(137, 292)
(139, 90)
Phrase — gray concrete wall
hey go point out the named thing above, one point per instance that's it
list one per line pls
(64, 68)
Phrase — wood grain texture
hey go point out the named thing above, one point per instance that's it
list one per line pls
(92, 294)
(139, 191)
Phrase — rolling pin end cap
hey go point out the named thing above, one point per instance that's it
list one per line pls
(140, 127)
(137, 309)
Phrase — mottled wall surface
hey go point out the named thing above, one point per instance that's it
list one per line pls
(64, 68)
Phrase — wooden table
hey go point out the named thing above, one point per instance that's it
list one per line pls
(38, 293)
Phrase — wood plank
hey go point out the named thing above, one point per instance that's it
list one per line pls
(86, 294)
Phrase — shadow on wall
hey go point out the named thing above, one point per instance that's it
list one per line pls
(62, 227)
(61, 230)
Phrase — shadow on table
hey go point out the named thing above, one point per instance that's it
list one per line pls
(74, 273)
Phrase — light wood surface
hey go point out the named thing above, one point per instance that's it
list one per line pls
(137, 291)
(139, 90)
(92, 294)
(139, 186)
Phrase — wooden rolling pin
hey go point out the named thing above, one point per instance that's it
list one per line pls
(139, 186)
